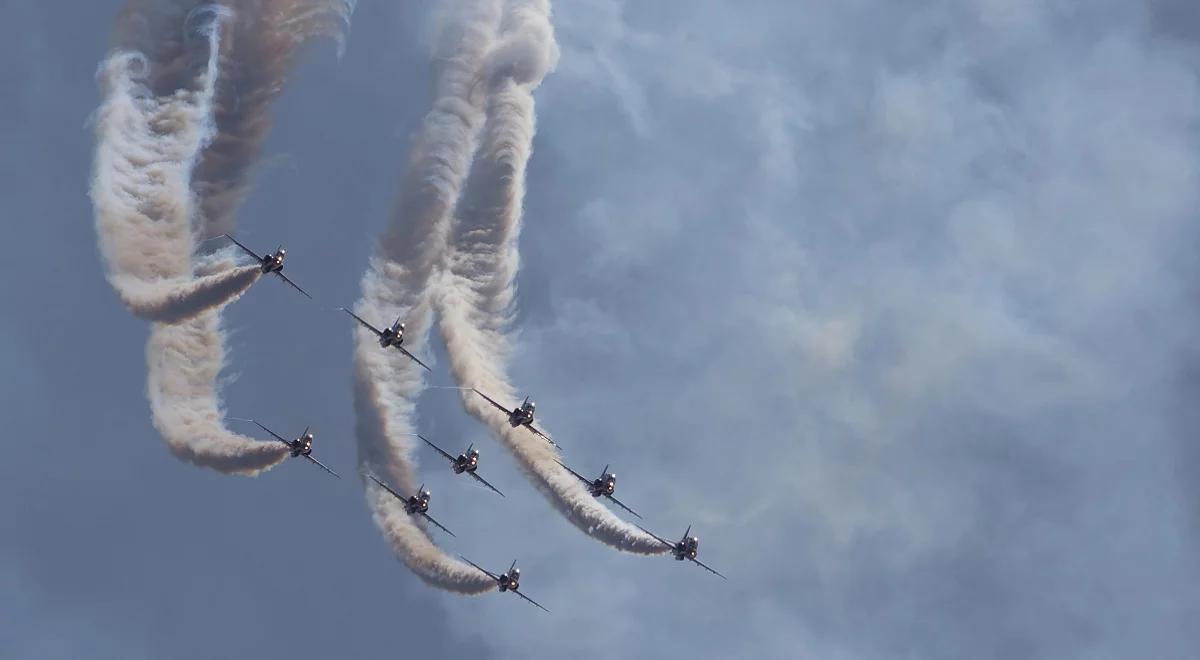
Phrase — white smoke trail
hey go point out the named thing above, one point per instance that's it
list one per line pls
(173, 160)
(144, 208)
(383, 415)
(185, 297)
(147, 146)
(397, 282)
(257, 54)
(476, 293)
(185, 360)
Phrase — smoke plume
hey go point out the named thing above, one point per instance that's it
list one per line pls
(476, 295)
(147, 145)
(397, 282)
(186, 108)
(257, 54)
(185, 361)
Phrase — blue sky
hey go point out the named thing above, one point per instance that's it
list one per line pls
(894, 301)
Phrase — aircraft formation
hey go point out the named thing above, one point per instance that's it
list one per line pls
(466, 462)
(440, 259)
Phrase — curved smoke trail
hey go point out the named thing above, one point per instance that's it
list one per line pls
(397, 280)
(152, 127)
(177, 138)
(476, 293)
(147, 145)
(186, 359)
(257, 55)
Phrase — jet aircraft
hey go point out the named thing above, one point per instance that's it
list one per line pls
(522, 416)
(270, 263)
(415, 504)
(393, 336)
(684, 549)
(467, 461)
(507, 581)
(605, 484)
(301, 446)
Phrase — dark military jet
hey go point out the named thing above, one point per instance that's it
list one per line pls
(684, 548)
(522, 416)
(507, 581)
(301, 446)
(417, 505)
(605, 485)
(271, 263)
(393, 336)
(467, 462)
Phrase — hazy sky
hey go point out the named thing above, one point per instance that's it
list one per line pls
(894, 301)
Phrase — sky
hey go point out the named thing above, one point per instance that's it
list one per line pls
(893, 301)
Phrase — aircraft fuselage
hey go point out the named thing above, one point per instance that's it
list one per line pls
(465, 463)
(390, 338)
(418, 504)
(302, 446)
(273, 263)
(687, 548)
(520, 417)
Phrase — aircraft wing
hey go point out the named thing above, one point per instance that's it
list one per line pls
(244, 248)
(577, 475)
(481, 569)
(618, 503)
(437, 448)
(440, 526)
(294, 285)
(277, 437)
(322, 466)
(545, 437)
(708, 568)
(387, 488)
(485, 483)
(414, 358)
(518, 592)
(368, 326)
(656, 536)
(492, 401)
